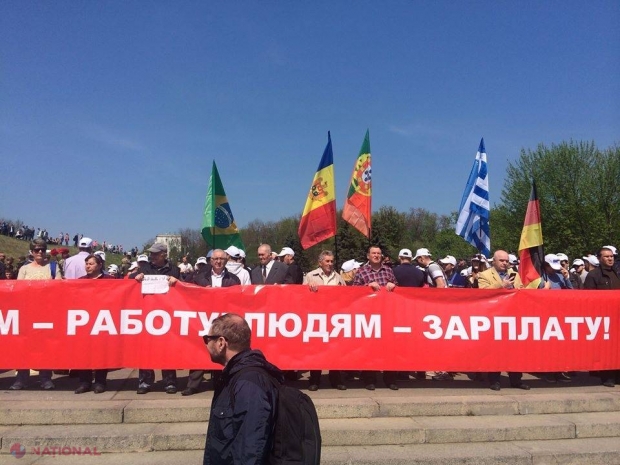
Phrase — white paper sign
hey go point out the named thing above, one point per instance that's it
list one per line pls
(155, 284)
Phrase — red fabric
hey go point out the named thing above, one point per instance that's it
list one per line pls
(381, 348)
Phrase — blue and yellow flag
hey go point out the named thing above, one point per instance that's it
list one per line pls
(218, 225)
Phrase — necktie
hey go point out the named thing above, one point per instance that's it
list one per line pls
(264, 272)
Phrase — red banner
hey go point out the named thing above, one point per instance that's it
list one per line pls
(100, 324)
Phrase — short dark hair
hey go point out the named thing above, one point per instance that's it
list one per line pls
(97, 258)
(234, 329)
(375, 246)
(600, 251)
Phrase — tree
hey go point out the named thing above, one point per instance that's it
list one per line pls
(578, 191)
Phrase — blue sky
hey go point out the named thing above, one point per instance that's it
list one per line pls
(111, 113)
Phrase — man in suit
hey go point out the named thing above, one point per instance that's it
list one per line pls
(270, 271)
(501, 276)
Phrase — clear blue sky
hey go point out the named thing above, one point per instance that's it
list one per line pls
(111, 113)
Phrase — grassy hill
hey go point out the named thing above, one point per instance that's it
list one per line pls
(16, 248)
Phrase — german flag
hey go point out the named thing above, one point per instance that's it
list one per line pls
(531, 253)
(318, 221)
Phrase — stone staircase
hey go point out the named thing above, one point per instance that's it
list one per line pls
(425, 422)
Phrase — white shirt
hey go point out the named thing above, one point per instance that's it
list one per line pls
(216, 279)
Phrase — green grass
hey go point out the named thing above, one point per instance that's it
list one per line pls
(16, 248)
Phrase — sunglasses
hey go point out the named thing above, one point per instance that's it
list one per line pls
(207, 338)
(39, 250)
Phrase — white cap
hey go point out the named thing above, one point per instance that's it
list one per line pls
(612, 248)
(578, 262)
(112, 268)
(513, 259)
(422, 253)
(233, 251)
(350, 265)
(286, 251)
(101, 253)
(448, 259)
(554, 261)
(201, 260)
(133, 266)
(86, 242)
(563, 257)
(241, 253)
(592, 260)
(143, 258)
(405, 253)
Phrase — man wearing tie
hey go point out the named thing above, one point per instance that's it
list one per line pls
(270, 271)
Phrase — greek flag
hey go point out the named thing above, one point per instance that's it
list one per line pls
(473, 222)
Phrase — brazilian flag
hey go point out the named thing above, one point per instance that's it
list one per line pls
(218, 224)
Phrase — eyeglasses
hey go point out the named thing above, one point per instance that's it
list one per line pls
(218, 258)
(206, 338)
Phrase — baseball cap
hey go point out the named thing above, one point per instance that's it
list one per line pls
(612, 248)
(112, 268)
(202, 260)
(133, 266)
(101, 253)
(158, 247)
(513, 259)
(86, 242)
(578, 262)
(233, 251)
(563, 257)
(422, 253)
(554, 261)
(143, 258)
(405, 253)
(592, 260)
(350, 265)
(286, 251)
(241, 253)
(448, 259)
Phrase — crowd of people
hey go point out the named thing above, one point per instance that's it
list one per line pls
(225, 268)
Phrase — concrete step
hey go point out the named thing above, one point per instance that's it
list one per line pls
(144, 437)
(597, 451)
(178, 409)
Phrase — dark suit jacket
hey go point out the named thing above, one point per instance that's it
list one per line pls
(278, 274)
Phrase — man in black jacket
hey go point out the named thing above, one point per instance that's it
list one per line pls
(604, 277)
(158, 265)
(243, 410)
(214, 275)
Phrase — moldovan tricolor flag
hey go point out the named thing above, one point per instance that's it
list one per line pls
(218, 224)
(318, 221)
(357, 206)
(531, 253)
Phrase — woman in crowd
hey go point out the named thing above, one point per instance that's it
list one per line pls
(94, 270)
(40, 268)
